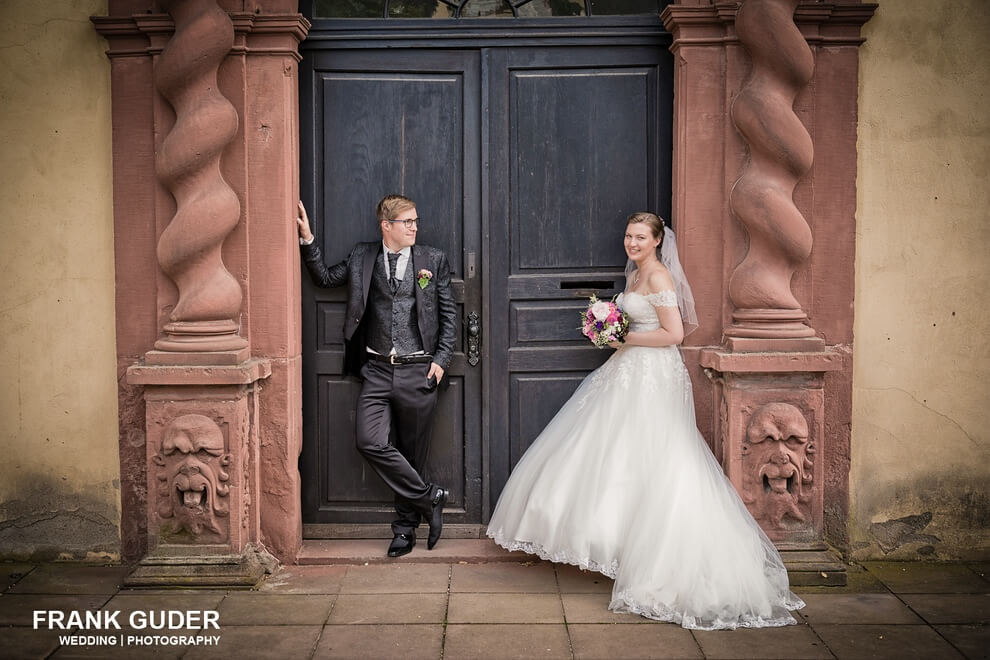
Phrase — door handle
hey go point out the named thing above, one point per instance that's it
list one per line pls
(473, 324)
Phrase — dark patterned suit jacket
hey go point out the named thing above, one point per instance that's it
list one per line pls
(435, 307)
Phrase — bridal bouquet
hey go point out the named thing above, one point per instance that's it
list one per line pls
(603, 322)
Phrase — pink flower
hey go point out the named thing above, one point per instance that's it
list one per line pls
(601, 310)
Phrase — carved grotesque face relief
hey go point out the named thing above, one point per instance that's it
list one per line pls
(193, 474)
(778, 462)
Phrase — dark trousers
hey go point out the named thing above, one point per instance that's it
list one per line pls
(404, 392)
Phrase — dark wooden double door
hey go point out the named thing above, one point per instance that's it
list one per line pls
(524, 162)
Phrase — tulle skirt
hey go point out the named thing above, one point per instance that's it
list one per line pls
(621, 482)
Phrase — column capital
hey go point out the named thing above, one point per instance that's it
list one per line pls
(255, 34)
(822, 23)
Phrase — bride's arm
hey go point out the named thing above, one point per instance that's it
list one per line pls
(671, 330)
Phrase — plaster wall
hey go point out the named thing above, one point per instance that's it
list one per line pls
(920, 440)
(59, 478)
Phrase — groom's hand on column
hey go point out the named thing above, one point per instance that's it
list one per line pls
(302, 223)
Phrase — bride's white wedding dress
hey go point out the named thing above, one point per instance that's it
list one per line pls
(621, 482)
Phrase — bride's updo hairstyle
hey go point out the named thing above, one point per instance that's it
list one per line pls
(652, 220)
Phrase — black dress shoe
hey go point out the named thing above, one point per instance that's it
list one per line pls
(436, 517)
(402, 544)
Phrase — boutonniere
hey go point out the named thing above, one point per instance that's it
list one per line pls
(423, 277)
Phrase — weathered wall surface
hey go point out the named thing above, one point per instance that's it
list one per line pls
(59, 476)
(921, 411)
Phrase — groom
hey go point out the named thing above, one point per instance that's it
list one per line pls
(398, 338)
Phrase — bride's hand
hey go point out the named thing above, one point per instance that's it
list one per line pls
(615, 344)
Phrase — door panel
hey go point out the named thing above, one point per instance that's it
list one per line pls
(389, 122)
(579, 148)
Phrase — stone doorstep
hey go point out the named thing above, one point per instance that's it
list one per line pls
(373, 551)
(805, 568)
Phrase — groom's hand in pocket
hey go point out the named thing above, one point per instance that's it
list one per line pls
(435, 375)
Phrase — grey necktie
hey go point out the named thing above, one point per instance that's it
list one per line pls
(393, 259)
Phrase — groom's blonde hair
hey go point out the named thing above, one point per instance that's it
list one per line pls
(393, 205)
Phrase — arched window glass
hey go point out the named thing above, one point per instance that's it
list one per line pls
(482, 8)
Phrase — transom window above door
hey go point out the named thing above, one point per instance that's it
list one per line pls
(482, 8)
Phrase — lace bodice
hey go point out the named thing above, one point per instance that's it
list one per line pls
(640, 308)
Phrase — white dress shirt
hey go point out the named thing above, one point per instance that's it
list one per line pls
(400, 265)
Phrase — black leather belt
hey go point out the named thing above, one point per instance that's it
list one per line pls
(418, 358)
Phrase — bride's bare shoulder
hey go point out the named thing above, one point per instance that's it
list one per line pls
(660, 280)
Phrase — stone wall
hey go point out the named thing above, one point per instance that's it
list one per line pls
(59, 479)
(920, 404)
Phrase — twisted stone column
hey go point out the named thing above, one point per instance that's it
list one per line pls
(781, 153)
(205, 318)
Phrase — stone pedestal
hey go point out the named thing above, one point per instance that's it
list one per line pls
(770, 438)
(204, 526)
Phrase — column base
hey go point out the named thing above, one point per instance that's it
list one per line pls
(813, 566)
(768, 345)
(174, 567)
(196, 358)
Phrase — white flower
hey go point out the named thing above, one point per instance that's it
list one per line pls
(600, 310)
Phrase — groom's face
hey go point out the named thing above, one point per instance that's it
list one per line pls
(396, 234)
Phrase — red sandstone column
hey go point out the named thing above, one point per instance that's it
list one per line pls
(207, 425)
(746, 199)
(208, 456)
(203, 325)
(781, 153)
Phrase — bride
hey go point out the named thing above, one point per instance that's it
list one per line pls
(621, 481)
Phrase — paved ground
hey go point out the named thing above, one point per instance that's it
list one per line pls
(498, 610)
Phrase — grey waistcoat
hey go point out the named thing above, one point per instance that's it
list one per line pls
(392, 318)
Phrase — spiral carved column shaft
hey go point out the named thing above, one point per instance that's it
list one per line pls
(205, 317)
(781, 153)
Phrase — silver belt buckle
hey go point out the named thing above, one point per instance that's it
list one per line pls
(391, 359)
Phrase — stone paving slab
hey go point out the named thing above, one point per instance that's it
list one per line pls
(388, 608)
(12, 572)
(593, 608)
(126, 651)
(506, 578)
(305, 580)
(885, 641)
(257, 608)
(71, 579)
(856, 608)
(383, 642)
(506, 641)
(791, 642)
(603, 640)
(504, 608)
(132, 602)
(981, 568)
(972, 641)
(396, 579)
(919, 578)
(18, 609)
(950, 608)
(26, 643)
(573, 580)
(260, 643)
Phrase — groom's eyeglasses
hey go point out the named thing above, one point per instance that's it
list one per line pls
(408, 224)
